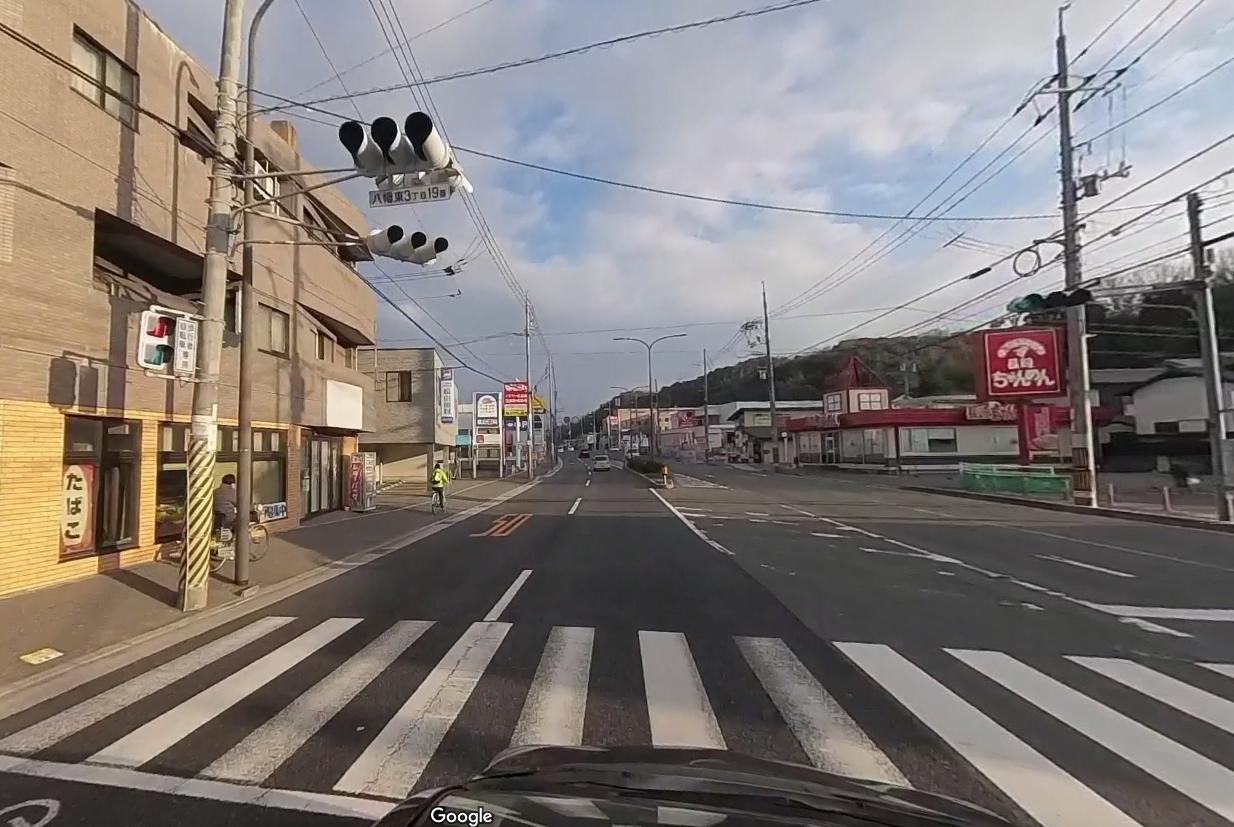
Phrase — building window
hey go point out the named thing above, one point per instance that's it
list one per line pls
(99, 486)
(349, 357)
(398, 386)
(869, 401)
(269, 472)
(835, 403)
(932, 440)
(108, 82)
(325, 346)
(274, 332)
(1166, 428)
(271, 187)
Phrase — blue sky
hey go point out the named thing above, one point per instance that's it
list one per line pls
(858, 105)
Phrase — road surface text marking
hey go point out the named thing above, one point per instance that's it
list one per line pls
(501, 604)
(1088, 566)
(574, 507)
(557, 700)
(392, 764)
(829, 737)
(505, 525)
(1038, 785)
(679, 711)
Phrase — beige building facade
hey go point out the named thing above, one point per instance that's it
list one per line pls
(106, 133)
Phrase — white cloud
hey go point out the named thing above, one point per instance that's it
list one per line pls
(842, 102)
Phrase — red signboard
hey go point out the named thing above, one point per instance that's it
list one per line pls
(516, 399)
(1020, 363)
(1037, 432)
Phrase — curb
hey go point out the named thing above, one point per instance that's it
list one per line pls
(1110, 513)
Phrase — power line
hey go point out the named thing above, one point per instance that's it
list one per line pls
(576, 50)
(1117, 19)
(339, 75)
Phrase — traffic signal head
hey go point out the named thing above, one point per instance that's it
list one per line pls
(416, 248)
(382, 148)
(1058, 300)
(167, 342)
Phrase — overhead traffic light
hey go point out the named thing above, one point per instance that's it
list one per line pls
(1058, 300)
(415, 151)
(394, 242)
(167, 342)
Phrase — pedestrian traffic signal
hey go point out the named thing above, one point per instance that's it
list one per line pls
(414, 151)
(167, 342)
(394, 242)
(1058, 300)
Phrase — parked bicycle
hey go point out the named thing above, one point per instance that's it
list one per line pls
(223, 542)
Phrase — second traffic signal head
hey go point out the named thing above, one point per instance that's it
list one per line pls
(394, 242)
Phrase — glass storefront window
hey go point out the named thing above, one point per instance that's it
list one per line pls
(100, 485)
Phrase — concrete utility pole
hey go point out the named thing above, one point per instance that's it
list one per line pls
(1210, 352)
(248, 318)
(203, 430)
(706, 411)
(771, 382)
(1083, 455)
(531, 402)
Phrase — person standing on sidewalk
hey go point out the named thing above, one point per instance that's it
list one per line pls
(440, 480)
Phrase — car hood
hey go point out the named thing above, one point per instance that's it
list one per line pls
(532, 785)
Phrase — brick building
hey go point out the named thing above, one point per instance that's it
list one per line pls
(103, 183)
(409, 432)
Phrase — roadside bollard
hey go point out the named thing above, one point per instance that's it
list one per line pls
(1165, 498)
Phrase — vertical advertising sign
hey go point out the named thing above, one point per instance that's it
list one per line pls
(77, 515)
(448, 396)
(516, 399)
(1020, 363)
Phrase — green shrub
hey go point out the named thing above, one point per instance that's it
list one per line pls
(645, 465)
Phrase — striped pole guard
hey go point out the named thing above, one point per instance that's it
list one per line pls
(199, 525)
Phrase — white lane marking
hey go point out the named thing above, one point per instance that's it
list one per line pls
(150, 739)
(1088, 566)
(756, 521)
(757, 514)
(890, 551)
(1164, 613)
(1040, 787)
(1149, 626)
(574, 507)
(1199, 778)
(392, 764)
(1114, 547)
(1226, 669)
(677, 704)
(267, 747)
(1169, 690)
(588, 483)
(76, 718)
(798, 510)
(698, 532)
(827, 734)
(199, 788)
(824, 534)
(557, 700)
(501, 604)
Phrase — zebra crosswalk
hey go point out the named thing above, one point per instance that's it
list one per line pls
(392, 707)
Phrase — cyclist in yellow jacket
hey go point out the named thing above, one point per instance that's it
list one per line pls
(441, 478)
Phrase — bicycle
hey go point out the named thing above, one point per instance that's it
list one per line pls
(223, 544)
(437, 502)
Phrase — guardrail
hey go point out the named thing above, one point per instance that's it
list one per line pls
(1015, 479)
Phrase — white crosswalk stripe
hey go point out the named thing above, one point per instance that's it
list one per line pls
(668, 685)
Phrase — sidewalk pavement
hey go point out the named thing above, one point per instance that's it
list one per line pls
(86, 615)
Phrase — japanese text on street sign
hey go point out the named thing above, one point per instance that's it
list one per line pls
(447, 395)
(516, 399)
(487, 410)
(418, 194)
(1022, 362)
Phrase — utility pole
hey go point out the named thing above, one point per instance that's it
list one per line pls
(1083, 459)
(771, 382)
(203, 430)
(248, 318)
(531, 402)
(1210, 352)
(706, 411)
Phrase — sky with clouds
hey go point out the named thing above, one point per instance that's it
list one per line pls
(842, 105)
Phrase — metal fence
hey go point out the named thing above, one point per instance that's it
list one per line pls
(1015, 479)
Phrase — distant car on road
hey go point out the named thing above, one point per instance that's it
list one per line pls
(601, 463)
(584, 454)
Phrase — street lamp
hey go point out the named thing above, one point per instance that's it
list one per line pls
(655, 446)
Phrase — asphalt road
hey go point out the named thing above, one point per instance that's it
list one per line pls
(1057, 669)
